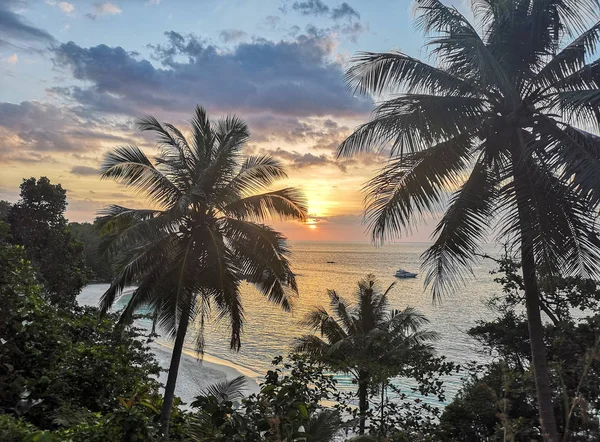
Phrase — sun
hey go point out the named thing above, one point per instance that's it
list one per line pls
(311, 223)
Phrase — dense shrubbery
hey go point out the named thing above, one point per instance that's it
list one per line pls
(288, 407)
(66, 368)
(497, 401)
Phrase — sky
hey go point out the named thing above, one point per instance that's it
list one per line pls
(75, 75)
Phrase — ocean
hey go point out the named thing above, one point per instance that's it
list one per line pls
(269, 331)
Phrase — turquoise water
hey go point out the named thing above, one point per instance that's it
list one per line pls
(269, 331)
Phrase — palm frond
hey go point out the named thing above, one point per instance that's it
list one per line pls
(460, 47)
(130, 166)
(411, 123)
(395, 72)
(323, 426)
(556, 220)
(573, 153)
(262, 256)
(228, 390)
(458, 233)
(231, 133)
(414, 184)
(256, 174)
(311, 345)
(588, 77)
(124, 227)
(286, 203)
(570, 60)
(343, 311)
(203, 138)
(222, 279)
(581, 106)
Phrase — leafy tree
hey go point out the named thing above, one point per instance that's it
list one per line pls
(573, 346)
(204, 235)
(89, 236)
(38, 223)
(5, 207)
(508, 108)
(366, 339)
(58, 363)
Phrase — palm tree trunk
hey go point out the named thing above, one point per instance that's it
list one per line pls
(532, 304)
(363, 402)
(165, 415)
(538, 348)
(383, 386)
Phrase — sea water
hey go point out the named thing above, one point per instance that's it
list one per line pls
(269, 331)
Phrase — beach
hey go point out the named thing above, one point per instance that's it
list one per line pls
(195, 373)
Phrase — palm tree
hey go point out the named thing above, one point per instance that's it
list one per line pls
(203, 235)
(504, 121)
(365, 339)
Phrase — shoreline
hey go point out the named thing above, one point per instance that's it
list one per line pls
(195, 374)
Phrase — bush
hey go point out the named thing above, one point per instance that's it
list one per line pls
(57, 362)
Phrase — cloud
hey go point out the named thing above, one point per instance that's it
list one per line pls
(344, 11)
(33, 130)
(85, 171)
(298, 160)
(13, 59)
(351, 30)
(291, 77)
(318, 8)
(104, 8)
(232, 35)
(316, 133)
(66, 7)
(310, 7)
(14, 30)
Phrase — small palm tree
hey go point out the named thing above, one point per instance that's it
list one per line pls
(507, 122)
(204, 234)
(365, 339)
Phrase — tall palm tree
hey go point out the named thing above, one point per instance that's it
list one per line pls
(365, 339)
(204, 234)
(504, 120)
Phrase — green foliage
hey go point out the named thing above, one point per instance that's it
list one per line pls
(38, 223)
(498, 399)
(18, 430)
(5, 207)
(59, 362)
(367, 340)
(287, 408)
(90, 236)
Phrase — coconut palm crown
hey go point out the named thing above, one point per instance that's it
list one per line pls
(365, 338)
(204, 234)
(506, 121)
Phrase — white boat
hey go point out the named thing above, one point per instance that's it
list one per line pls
(401, 273)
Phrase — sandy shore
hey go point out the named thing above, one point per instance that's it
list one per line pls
(195, 375)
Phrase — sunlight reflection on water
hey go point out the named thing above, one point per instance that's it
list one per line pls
(269, 331)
